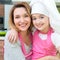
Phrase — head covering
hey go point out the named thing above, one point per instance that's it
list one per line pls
(39, 8)
(48, 8)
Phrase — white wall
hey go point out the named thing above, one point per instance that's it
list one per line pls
(57, 0)
(6, 16)
(20, 0)
(30, 0)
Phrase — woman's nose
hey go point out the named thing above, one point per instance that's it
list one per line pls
(21, 19)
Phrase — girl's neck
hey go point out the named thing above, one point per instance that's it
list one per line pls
(45, 31)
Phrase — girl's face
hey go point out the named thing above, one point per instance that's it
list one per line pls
(21, 19)
(40, 21)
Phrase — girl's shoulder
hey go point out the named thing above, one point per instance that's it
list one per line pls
(55, 39)
(56, 35)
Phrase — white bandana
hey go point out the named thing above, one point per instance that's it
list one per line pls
(48, 8)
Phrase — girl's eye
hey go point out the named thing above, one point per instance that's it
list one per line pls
(42, 17)
(33, 18)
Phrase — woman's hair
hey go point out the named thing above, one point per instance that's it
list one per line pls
(11, 16)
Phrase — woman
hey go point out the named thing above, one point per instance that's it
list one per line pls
(20, 20)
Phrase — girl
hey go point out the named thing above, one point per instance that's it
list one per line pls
(46, 41)
(19, 20)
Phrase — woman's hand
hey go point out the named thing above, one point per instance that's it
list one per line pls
(13, 36)
(49, 58)
(58, 52)
(58, 49)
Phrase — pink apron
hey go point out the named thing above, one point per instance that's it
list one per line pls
(41, 47)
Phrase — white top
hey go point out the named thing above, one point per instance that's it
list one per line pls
(13, 51)
(55, 37)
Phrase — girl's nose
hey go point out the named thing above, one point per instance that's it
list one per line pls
(38, 21)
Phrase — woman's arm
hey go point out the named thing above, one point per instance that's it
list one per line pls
(49, 58)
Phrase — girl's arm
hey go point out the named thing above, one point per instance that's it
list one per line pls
(13, 36)
(56, 41)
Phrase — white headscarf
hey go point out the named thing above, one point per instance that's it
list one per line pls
(48, 8)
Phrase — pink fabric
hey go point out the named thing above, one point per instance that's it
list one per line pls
(41, 47)
(29, 55)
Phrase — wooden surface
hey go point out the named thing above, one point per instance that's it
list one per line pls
(1, 49)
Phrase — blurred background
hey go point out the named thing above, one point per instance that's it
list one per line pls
(5, 6)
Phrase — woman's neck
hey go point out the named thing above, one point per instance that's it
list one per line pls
(24, 33)
(26, 38)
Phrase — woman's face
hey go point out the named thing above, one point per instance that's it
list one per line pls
(40, 21)
(22, 19)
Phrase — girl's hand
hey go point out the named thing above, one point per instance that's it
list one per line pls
(13, 36)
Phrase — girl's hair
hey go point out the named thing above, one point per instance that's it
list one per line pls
(11, 16)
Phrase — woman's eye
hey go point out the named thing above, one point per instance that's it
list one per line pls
(26, 16)
(17, 17)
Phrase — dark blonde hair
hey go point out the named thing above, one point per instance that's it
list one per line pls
(11, 16)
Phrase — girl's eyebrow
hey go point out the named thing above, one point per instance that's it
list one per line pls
(41, 14)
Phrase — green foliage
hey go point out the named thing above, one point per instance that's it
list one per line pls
(2, 33)
(59, 9)
(58, 6)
